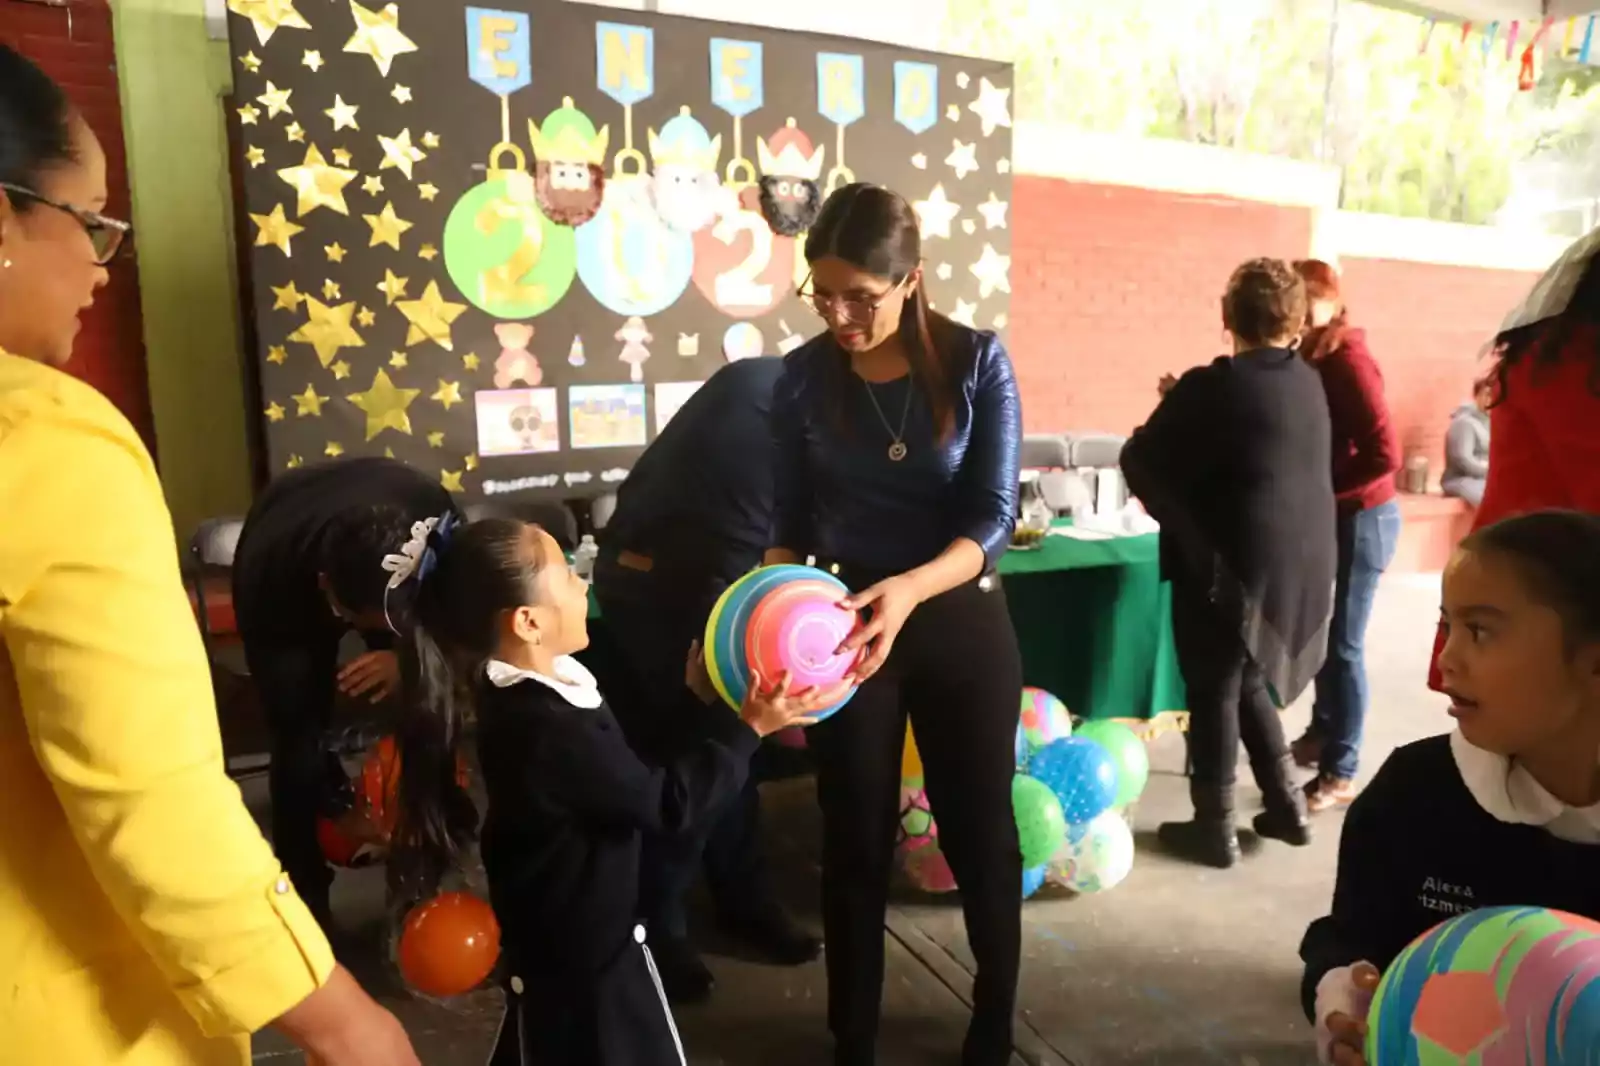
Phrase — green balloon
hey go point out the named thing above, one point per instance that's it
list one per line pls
(1041, 826)
(1127, 753)
(504, 255)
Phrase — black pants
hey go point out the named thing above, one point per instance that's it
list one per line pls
(1228, 697)
(956, 673)
(639, 652)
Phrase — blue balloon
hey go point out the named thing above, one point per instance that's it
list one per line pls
(1080, 773)
(1033, 880)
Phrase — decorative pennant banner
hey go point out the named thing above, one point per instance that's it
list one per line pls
(842, 100)
(498, 50)
(916, 95)
(1489, 33)
(738, 87)
(625, 70)
(1588, 40)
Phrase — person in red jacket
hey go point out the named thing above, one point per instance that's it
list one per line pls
(1366, 455)
(1544, 419)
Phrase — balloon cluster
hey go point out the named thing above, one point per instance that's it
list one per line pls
(1069, 798)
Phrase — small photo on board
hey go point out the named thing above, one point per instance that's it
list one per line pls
(671, 395)
(518, 421)
(606, 416)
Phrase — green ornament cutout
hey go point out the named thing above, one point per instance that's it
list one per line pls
(503, 254)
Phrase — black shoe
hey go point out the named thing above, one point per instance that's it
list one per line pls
(1291, 829)
(1210, 839)
(1285, 817)
(855, 1054)
(773, 935)
(684, 976)
(987, 1044)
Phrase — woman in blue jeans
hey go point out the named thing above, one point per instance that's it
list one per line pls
(1366, 455)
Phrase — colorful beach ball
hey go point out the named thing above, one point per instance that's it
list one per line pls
(1080, 773)
(1518, 986)
(1043, 719)
(1098, 857)
(779, 619)
(918, 849)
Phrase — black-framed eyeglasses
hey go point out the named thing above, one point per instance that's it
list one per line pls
(106, 234)
(855, 309)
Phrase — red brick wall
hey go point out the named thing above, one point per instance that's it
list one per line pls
(73, 45)
(1114, 286)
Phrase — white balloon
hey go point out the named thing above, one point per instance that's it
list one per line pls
(1100, 858)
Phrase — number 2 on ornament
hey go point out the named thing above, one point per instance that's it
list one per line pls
(737, 286)
(501, 285)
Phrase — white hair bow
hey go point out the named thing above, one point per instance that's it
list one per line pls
(408, 560)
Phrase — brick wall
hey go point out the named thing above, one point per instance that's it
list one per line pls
(73, 44)
(1113, 286)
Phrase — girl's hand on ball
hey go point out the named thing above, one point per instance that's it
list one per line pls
(697, 677)
(766, 711)
(1343, 1031)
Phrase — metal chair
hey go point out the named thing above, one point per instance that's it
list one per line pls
(1046, 451)
(1096, 450)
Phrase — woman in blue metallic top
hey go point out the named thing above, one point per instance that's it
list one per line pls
(898, 434)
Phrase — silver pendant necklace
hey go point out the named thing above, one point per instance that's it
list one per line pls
(897, 446)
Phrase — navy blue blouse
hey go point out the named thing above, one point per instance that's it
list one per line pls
(838, 494)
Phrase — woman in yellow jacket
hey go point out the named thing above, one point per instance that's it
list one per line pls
(143, 919)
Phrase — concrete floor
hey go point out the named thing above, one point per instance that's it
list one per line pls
(1176, 966)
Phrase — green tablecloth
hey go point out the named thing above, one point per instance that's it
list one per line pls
(1094, 620)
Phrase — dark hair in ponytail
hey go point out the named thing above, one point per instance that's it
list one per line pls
(480, 573)
(1557, 553)
(1574, 334)
(876, 230)
(35, 123)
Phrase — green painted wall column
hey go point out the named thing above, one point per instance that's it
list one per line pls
(172, 77)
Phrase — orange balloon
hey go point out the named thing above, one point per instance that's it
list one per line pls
(380, 783)
(449, 944)
(337, 847)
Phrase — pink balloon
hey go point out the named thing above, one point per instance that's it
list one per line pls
(797, 628)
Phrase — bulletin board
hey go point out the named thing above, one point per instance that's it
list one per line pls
(505, 245)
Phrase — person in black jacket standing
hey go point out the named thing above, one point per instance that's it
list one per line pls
(694, 514)
(308, 569)
(1234, 463)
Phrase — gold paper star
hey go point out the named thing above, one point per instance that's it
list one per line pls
(248, 114)
(385, 405)
(366, 316)
(269, 16)
(451, 480)
(992, 270)
(342, 157)
(341, 369)
(312, 59)
(430, 140)
(392, 287)
(334, 252)
(276, 101)
(378, 35)
(372, 185)
(309, 403)
(330, 290)
(327, 329)
(427, 190)
(295, 132)
(401, 94)
(254, 156)
(963, 159)
(470, 361)
(436, 439)
(275, 230)
(294, 462)
(427, 251)
(387, 227)
(399, 152)
(274, 412)
(936, 213)
(448, 394)
(286, 298)
(250, 61)
(333, 450)
(991, 106)
(318, 184)
(343, 114)
(471, 461)
(277, 354)
(397, 360)
(388, 453)
(430, 317)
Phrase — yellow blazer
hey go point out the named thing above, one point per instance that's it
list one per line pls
(143, 919)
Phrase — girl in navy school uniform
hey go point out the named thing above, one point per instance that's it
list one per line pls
(1504, 811)
(498, 615)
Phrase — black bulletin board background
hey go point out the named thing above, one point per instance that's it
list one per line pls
(309, 411)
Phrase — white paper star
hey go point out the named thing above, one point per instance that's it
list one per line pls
(994, 212)
(1003, 165)
(963, 159)
(1000, 320)
(968, 226)
(963, 80)
(920, 161)
(953, 113)
(936, 213)
(992, 271)
(992, 106)
(944, 270)
(964, 313)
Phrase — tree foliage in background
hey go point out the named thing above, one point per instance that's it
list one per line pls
(1439, 131)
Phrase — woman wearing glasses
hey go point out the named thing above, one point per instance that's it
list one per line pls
(898, 433)
(143, 919)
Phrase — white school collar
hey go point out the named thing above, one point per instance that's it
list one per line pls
(1510, 794)
(573, 681)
